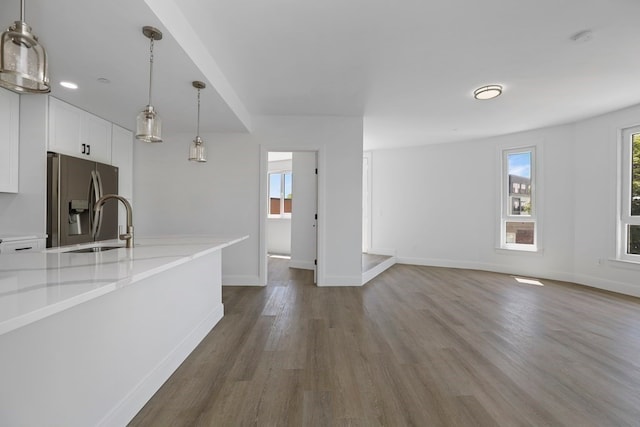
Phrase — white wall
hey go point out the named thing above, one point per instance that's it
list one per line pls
(219, 197)
(24, 212)
(279, 236)
(222, 196)
(303, 232)
(438, 204)
(596, 177)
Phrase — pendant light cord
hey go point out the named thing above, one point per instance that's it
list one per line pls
(151, 70)
(198, 126)
(22, 10)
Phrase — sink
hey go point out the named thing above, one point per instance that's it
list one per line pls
(93, 249)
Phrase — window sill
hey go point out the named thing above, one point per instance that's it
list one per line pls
(519, 251)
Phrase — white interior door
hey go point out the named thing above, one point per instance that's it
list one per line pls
(304, 211)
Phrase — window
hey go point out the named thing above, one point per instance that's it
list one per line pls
(280, 194)
(629, 223)
(518, 229)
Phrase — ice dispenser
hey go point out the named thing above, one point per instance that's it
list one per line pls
(78, 214)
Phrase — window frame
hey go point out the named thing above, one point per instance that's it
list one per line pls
(625, 219)
(282, 174)
(506, 214)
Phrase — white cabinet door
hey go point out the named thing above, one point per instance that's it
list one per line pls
(96, 135)
(9, 140)
(65, 128)
(77, 133)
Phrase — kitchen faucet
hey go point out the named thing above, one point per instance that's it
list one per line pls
(128, 236)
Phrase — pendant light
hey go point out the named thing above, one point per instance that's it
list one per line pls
(23, 61)
(148, 123)
(197, 151)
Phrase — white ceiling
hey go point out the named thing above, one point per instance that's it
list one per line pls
(409, 67)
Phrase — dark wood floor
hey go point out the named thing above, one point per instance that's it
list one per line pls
(416, 346)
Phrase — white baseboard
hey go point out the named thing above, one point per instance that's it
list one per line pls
(382, 251)
(484, 266)
(305, 265)
(434, 262)
(341, 281)
(580, 279)
(378, 269)
(241, 281)
(608, 285)
(131, 404)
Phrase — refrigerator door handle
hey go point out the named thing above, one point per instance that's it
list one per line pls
(93, 197)
(101, 193)
(98, 192)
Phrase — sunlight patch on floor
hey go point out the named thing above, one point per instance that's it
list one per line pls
(524, 281)
(279, 256)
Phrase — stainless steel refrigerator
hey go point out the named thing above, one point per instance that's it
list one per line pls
(73, 186)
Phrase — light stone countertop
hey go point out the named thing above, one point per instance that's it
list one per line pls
(35, 285)
(19, 237)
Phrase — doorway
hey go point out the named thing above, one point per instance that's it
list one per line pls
(291, 208)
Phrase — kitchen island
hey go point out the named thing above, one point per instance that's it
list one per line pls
(87, 338)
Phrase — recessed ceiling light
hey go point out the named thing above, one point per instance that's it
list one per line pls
(69, 85)
(487, 92)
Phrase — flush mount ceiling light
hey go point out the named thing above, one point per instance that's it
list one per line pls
(196, 149)
(23, 61)
(148, 123)
(487, 92)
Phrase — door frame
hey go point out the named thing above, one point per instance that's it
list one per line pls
(367, 198)
(320, 206)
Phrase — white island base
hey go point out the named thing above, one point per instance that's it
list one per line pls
(99, 361)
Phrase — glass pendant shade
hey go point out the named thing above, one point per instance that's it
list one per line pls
(197, 151)
(149, 125)
(23, 61)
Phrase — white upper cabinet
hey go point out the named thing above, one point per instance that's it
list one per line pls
(9, 140)
(97, 135)
(65, 128)
(78, 133)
